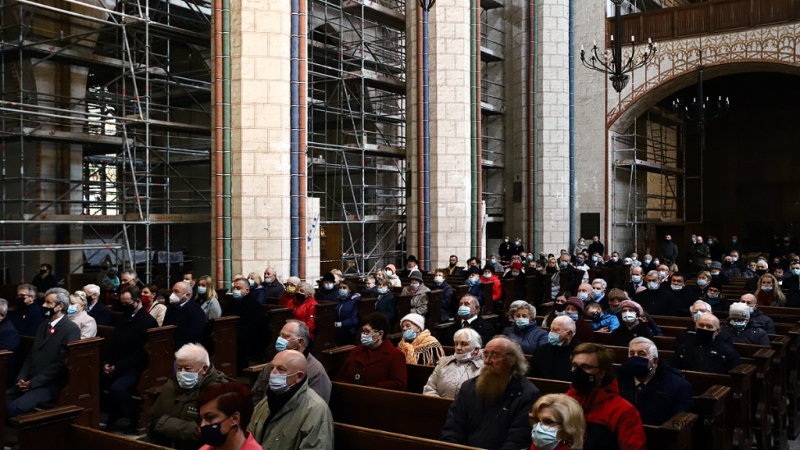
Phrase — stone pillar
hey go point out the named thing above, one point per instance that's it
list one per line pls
(260, 136)
(450, 133)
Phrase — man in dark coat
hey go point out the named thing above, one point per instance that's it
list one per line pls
(27, 315)
(757, 316)
(250, 336)
(9, 340)
(668, 250)
(597, 247)
(126, 359)
(654, 300)
(491, 411)
(42, 374)
(706, 352)
(469, 317)
(655, 388)
(95, 308)
(186, 315)
(440, 283)
(553, 360)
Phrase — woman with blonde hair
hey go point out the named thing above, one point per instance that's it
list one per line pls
(208, 297)
(769, 292)
(558, 423)
(78, 315)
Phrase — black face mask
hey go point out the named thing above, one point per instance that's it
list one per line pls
(637, 366)
(559, 307)
(48, 312)
(21, 301)
(42, 271)
(129, 308)
(551, 270)
(300, 297)
(582, 381)
(596, 316)
(760, 272)
(704, 336)
(212, 435)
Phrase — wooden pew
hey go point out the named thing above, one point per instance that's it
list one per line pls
(325, 332)
(350, 437)
(221, 343)
(4, 357)
(434, 308)
(55, 429)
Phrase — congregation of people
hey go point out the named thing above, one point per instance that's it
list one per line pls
(485, 347)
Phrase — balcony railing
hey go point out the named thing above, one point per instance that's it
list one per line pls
(703, 18)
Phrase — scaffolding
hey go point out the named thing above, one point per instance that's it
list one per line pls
(492, 49)
(357, 130)
(649, 174)
(105, 133)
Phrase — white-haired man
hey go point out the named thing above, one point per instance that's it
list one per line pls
(491, 410)
(554, 360)
(655, 388)
(95, 308)
(186, 315)
(174, 417)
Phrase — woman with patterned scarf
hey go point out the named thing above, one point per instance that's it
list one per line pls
(417, 344)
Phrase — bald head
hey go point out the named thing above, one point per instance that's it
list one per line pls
(750, 301)
(291, 360)
(708, 322)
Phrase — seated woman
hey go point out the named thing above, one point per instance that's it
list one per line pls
(346, 313)
(703, 279)
(291, 287)
(304, 306)
(558, 423)
(375, 361)
(558, 308)
(419, 293)
(417, 344)
(524, 330)
(634, 324)
(78, 315)
(466, 363)
(769, 293)
(157, 309)
(256, 289)
(386, 303)
(391, 275)
(715, 298)
(584, 331)
(207, 296)
(225, 413)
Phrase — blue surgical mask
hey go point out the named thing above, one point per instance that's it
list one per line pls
(697, 315)
(464, 312)
(521, 322)
(202, 290)
(366, 340)
(328, 286)
(702, 282)
(544, 436)
(636, 279)
(472, 281)
(647, 262)
(72, 310)
(277, 382)
(237, 293)
(343, 293)
(652, 285)
(596, 293)
(573, 316)
(766, 288)
(594, 258)
(382, 290)
(187, 380)
(579, 261)
(553, 339)
(252, 282)
(409, 334)
(583, 296)
(562, 264)
(750, 308)
(738, 324)
(494, 261)
(796, 272)
(280, 344)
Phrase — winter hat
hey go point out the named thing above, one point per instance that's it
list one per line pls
(415, 275)
(392, 268)
(416, 319)
(294, 281)
(715, 265)
(328, 277)
(516, 265)
(632, 304)
(739, 310)
(577, 303)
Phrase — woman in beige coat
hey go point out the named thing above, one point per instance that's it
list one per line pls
(78, 315)
(453, 370)
(157, 310)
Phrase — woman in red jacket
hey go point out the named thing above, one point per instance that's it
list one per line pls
(497, 288)
(558, 423)
(375, 362)
(304, 306)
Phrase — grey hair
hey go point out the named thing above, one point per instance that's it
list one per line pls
(62, 296)
(471, 336)
(3, 306)
(302, 330)
(310, 291)
(652, 273)
(129, 272)
(28, 288)
(565, 322)
(652, 349)
(701, 302)
(473, 300)
(601, 281)
(520, 363)
(92, 288)
(193, 352)
(521, 304)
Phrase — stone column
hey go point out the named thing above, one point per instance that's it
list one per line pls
(260, 135)
(450, 133)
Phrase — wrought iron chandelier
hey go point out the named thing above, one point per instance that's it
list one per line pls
(702, 108)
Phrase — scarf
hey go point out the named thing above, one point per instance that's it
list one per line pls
(425, 345)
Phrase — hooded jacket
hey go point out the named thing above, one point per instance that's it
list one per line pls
(611, 421)
(663, 396)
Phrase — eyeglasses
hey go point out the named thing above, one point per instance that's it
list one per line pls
(493, 356)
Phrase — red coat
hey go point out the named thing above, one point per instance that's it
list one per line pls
(383, 367)
(285, 298)
(534, 447)
(608, 416)
(497, 289)
(306, 312)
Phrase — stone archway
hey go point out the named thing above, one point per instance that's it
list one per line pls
(773, 49)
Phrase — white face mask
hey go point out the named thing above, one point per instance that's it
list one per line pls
(628, 316)
(174, 299)
(187, 380)
(277, 382)
(438, 279)
(462, 357)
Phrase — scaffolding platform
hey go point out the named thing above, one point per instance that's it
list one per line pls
(378, 80)
(377, 13)
(488, 55)
(490, 110)
(647, 166)
(491, 4)
(99, 219)
(72, 137)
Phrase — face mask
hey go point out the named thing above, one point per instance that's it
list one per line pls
(554, 339)
(677, 287)
(652, 285)
(579, 261)
(202, 290)
(638, 367)
(760, 272)
(596, 316)
(705, 336)
(382, 290)
(277, 382)
(697, 315)
(72, 310)
(656, 262)
(472, 281)
(735, 258)
(583, 296)
(342, 293)
(173, 298)
(291, 289)
(766, 288)
(694, 240)
(328, 286)
(266, 280)
(129, 308)
(582, 243)
(530, 257)
(614, 258)
(714, 295)
(409, 335)
(366, 340)
(750, 308)
(636, 279)
(252, 283)
(559, 307)
(514, 273)
(505, 240)
(236, 294)
(714, 274)
(493, 261)
(487, 275)
(212, 435)
(702, 283)
(544, 436)
(464, 312)
(389, 273)
(280, 344)
(414, 286)
(563, 264)
(594, 258)
(187, 380)
(739, 325)
(582, 381)
(518, 242)
(628, 261)
(521, 322)
(438, 279)
(629, 317)
(299, 297)
(662, 275)
(573, 316)
(597, 293)
(647, 262)
(461, 357)
(48, 312)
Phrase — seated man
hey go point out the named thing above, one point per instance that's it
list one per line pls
(491, 410)
(440, 283)
(757, 317)
(42, 374)
(697, 309)
(553, 360)
(653, 386)
(294, 336)
(684, 296)
(609, 417)
(743, 330)
(95, 308)
(706, 352)
(27, 315)
(173, 419)
(636, 282)
(291, 416)
(468, 317)
(126, 358)
(9, 339)
(186, 315)
(654, 300)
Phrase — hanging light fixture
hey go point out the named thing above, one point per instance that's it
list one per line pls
(612, 62)
(702, 108)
